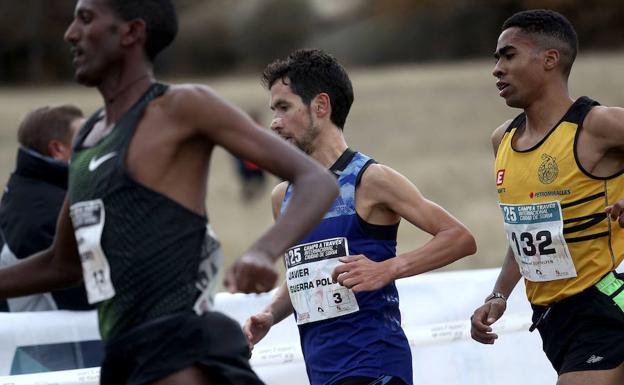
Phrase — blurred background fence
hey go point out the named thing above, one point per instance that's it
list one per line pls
(243, 35)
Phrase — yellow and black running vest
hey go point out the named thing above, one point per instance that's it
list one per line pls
(554, 210)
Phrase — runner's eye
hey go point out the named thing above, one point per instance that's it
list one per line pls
(85, 17)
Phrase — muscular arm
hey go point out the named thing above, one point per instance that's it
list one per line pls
(451, 239)
(257, 326)
(602, 150)
(387, 191)
(280, 307)
(606, 125)
(492, 310)
(508, 276)
(219, 122)
(488, 313)
(54, 268)
(315, 188)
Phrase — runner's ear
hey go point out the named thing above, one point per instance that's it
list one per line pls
(133, 32)
(551, 59)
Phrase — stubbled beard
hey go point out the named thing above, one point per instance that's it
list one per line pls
(308, 148)
(306, 143)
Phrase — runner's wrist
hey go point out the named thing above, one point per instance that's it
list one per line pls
(276, 311)
(272, 317)
(495, 295)
(261, 254)
(398, 267)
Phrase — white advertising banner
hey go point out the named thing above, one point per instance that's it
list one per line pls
(435, 309)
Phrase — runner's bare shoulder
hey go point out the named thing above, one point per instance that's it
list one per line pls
(498, 133)
(606, 123)
(277, 197)
(199, 107)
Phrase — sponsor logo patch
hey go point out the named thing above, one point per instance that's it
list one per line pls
(594, 359)
(548, 170)
(500, 177)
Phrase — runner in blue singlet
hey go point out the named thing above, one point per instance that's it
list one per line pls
(340, 277)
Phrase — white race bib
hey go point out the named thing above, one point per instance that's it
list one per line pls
(535, 234)
(312, 293)
(88, 220)
(209, 266)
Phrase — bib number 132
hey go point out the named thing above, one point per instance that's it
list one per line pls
(535, 235)
(529, 244)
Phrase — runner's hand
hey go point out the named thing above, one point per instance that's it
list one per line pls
(616, 212)
(256, 327)
(483, 317)
(359, 273)
(251, 273)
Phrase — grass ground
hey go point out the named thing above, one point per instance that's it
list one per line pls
(432, 123)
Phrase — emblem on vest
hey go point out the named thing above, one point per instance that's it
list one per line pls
(548, 170)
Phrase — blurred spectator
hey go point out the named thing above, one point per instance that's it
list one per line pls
(252, 177)
(34, 196)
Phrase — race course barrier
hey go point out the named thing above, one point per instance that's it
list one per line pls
(435, 311)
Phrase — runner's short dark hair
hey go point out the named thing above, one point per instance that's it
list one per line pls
(160, 18)
(549, 29)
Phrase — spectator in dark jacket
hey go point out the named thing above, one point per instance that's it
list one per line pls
(33, 198)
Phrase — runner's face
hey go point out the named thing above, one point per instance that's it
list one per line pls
(519, 68)
(292, 119)
(94, 39)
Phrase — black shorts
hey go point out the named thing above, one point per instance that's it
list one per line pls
(584, 331)
(382, 380)
(169, 344)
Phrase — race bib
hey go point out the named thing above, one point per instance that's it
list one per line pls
(312, 293)
(535, 234)
(211, 261)
(88, 220)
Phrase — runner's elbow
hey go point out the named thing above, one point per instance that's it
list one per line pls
(465, 242)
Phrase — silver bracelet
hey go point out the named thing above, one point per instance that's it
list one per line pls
(495, 295)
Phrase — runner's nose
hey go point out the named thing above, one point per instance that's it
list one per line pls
(276, 124)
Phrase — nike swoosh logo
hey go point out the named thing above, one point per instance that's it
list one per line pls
(97, 162)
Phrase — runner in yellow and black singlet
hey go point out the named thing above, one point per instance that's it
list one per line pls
(558, 174)
(554, 213)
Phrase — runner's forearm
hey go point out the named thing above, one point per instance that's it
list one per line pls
(280, 307)
(508, 276)
(444, 248)
(313, 194)
(36, 274)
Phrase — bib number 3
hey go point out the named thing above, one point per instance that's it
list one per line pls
(312, 293)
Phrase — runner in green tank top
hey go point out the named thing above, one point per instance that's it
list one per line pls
(134, 224)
